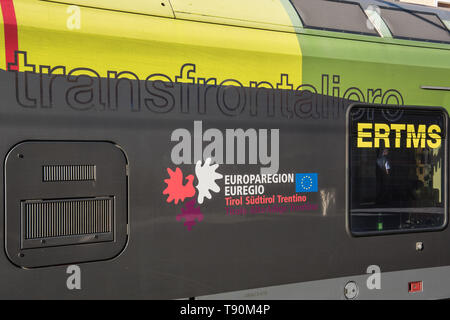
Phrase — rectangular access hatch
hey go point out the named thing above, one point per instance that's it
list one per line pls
(66, 202)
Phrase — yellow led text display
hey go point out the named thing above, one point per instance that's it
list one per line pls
(396, 135)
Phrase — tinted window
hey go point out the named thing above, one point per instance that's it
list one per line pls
(415, 25)
(397, 179)
(334, 15)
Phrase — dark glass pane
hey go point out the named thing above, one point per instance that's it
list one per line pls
(415, 25)
(334, 15)
(397, 170)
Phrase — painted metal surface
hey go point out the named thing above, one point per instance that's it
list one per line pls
(205, 70)
(160, 8)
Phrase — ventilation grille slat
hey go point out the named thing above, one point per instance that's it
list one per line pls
(53, 173)
(58, 218)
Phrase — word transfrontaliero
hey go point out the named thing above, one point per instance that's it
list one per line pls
(406, 135)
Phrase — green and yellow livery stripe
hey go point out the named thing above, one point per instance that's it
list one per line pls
(148, 44)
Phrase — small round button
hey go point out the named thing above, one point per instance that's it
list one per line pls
(351, 290)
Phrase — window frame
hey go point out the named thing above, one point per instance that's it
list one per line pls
(348, 189)
(414, 12)
(306, 26)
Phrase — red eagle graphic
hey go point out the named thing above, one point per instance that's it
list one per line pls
(176, 190)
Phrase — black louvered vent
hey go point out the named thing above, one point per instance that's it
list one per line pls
(60, 222)
(55, 173)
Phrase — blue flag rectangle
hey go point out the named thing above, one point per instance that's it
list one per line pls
(306, 182)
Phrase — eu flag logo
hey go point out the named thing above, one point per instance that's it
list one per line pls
(306, 182)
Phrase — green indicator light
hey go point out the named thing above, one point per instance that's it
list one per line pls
(380, 226)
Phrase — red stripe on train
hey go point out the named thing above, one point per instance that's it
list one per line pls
(11, 39)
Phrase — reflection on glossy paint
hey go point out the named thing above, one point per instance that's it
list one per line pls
(328, 197)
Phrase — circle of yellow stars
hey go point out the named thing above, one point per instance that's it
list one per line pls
(302, 182)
